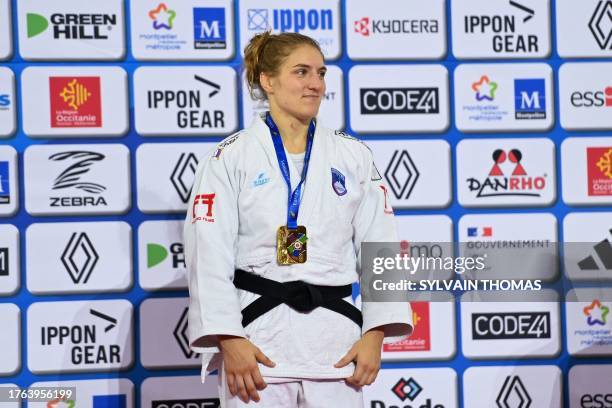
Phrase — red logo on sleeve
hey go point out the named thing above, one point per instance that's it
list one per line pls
(388, 209)
(202, 209)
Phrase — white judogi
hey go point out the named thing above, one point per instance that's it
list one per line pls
(239, 200)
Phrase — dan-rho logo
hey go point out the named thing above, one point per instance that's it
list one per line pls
(68, 30)
(506, 172)
(318, 19)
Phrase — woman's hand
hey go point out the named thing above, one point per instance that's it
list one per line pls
(366, 353)
(240, 358)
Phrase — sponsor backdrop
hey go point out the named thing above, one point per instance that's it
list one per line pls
(489, 120)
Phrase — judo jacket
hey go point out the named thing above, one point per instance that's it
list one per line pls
(237, 204)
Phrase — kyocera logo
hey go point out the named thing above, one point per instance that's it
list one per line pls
(592, 98)
(295, 20)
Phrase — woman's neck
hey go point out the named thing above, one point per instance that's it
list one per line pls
(293, 131)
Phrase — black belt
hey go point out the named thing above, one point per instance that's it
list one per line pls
(300, 295)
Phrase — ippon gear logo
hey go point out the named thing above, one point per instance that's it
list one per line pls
(513, 394)
(75, 101)
(498, 184)
(505, 29)
(183, 175)
(399, 101)
(202, 209)
(401, 174)
(366, 26)
(79, 257)
(180, 334)
(603, 251)
(601, 24)
(294, 20)
(506, 326)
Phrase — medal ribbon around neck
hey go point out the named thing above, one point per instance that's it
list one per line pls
(293, 198)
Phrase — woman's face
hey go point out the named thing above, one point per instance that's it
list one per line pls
(299, 87)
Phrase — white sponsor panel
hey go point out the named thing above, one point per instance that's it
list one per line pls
(507, 325)
(399, 98)
(501, 29)
(506, 172)
(77, 179)
(433, 337)
(589, 386)
(116, 393)
(9, 260)
(84, 257)
(10, 343)
(182, 30)
(331, 112)
(414, 180)
(586, 169)
(163, 326)
(584, 29)
(318, 19)
(589, 322)
(585, 95)
(161, 256)
(9, 188)
(503, 97)
(80, 336)
(69, 30)
(421, 387)
(165, 174)
(194, 101)
(515, 246)
(179, 392)
(74, 101)
(8, 121)
(512, 386)
(396, 29)
(6, 32)
(587, 249)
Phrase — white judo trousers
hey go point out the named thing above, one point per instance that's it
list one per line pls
(239, 200)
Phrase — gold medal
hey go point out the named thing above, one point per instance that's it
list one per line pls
(291, 245)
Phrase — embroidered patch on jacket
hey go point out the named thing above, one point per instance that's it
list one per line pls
(338, 182)
(224, 143)
(261, 180)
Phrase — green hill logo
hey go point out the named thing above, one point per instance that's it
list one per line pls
(36, 24)
(157, 254)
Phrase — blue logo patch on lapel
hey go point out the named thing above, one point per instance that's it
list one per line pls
(338, 182)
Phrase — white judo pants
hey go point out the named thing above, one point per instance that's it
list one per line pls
(297, 394)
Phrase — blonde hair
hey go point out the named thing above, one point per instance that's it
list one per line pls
(266, 52)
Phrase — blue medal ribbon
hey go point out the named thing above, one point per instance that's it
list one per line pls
(293, 198)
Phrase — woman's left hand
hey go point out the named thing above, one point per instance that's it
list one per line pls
(366, 353)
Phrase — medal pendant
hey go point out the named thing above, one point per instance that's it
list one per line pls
(291, 245)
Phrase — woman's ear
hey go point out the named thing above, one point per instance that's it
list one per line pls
(265, 81)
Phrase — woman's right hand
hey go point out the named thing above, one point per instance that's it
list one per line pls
(240, 358)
